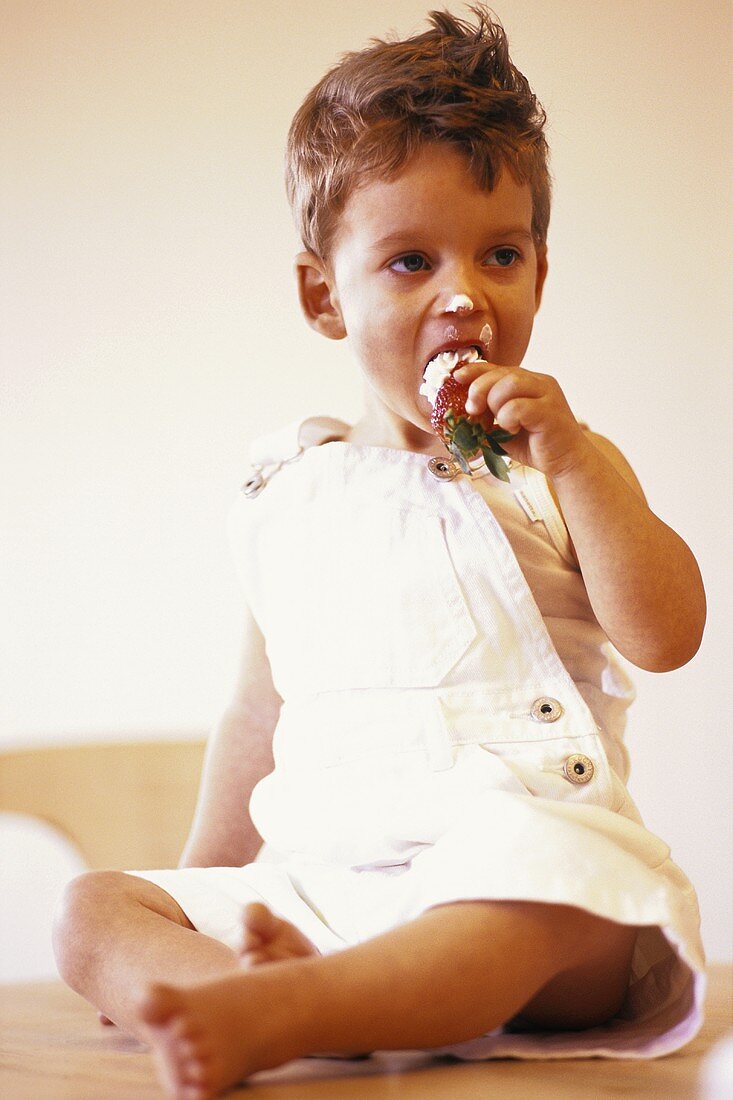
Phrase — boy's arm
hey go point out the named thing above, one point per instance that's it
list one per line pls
(238, 755)
(642, 579)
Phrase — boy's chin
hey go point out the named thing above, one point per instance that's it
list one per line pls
(429, 434)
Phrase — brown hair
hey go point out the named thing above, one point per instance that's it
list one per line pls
(369, 115)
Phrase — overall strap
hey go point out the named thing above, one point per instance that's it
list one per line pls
(269, 452)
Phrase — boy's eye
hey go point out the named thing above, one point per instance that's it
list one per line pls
(408, 260)
(501, 257)
(505, 257)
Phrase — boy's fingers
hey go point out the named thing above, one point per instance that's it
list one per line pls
(470, 371)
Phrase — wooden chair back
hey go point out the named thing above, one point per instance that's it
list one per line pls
(124, 806)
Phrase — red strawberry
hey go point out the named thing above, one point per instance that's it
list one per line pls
(465, 437)
(450, 397)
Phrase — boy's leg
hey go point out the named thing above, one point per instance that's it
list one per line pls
(456, 972)
(113, 933)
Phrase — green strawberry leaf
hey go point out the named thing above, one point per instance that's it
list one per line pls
(501, 435)
(465, 437)
(496, 448)
(488, 439)
(495, 464)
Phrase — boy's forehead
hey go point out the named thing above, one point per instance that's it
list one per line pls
(423, 194)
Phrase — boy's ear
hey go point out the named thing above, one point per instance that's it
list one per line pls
(541, 275)
(316, 294)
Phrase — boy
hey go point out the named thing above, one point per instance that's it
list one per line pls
(417, 172)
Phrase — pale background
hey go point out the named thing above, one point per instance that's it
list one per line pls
(151, 329)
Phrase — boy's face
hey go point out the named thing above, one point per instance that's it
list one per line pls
(389, 296)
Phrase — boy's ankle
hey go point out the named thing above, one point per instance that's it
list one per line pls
(290, 1009)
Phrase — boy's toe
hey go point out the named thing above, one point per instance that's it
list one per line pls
(259, 920)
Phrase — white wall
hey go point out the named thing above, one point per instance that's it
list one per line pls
(151, 330)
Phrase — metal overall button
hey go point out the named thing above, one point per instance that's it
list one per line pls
(579, 768)
(254, 484)
(546, 709)
(443, 468)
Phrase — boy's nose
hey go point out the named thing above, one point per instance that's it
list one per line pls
(459, 303)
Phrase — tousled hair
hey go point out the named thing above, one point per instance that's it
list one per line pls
(373, 111)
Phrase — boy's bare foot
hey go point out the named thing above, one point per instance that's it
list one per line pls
(268, 938)
(208, 1037)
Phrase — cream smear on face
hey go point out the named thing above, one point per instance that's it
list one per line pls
(440, 367)
(486, 335)
(459, 301)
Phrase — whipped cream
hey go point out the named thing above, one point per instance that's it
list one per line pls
(459, 301)
(439, 368)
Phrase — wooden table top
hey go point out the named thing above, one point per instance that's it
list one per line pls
(52, 1047)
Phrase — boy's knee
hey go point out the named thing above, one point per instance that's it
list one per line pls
(87, 909)
(86, 894)
(90, 906)
(82, 905)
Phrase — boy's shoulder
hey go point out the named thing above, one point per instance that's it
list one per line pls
(270, 451)
(291, 439)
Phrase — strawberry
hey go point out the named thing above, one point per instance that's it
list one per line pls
(463, 436)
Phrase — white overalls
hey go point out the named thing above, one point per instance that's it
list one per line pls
(432, 745)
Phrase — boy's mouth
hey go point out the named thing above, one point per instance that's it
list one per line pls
(459, 352)
(461, 344)
(442, 364)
